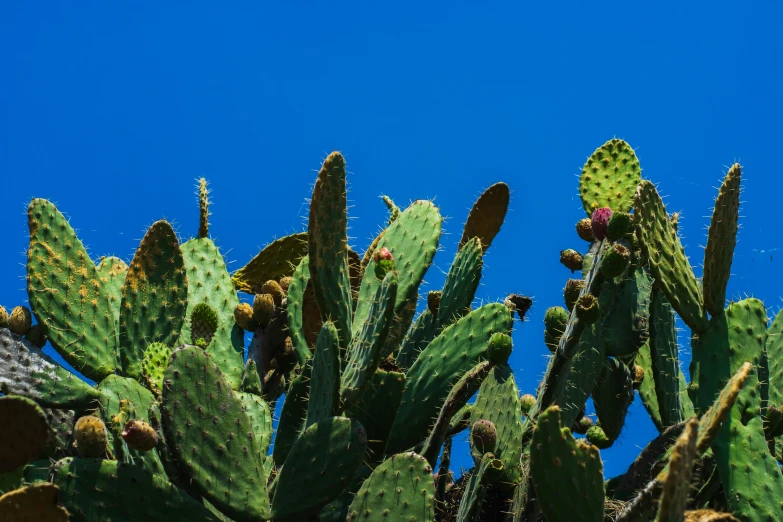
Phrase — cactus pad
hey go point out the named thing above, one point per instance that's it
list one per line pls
(32, 504)
(277, 259)
(609, 178)
(153, 365)
(487, 216)
(325, 381)
(24, 434)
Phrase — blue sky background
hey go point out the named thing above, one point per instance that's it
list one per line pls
(112, 110)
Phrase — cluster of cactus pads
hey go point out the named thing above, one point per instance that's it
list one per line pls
(179, 423)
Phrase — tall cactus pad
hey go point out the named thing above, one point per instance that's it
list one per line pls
(67, 294)
(489, 471)
(325, 458)
(677, 483)
(364, 352)
(461, 283)
(115, 492)
(487, 216)
(625, 326)
(447, 358)
(327, 234)
(277, 259)
(154, 297)
(292, 418)
(209, 282)
(295, 309)
(612, 396)
(203, 208)
(153, 365)
(402, 488)
(26, 370)
(580, 375)
(722, 237)
(774, 349)
(111, 272)
(674, 405)
(31, 504)
(325, 382)
(212, 437)
(412, 239)
(561, 465)
(712, 420)
(24, 433)
(609, 178)
(668, 263)
(498, 401)
(257, 411)
(377, 409)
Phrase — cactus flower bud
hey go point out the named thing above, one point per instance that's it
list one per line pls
(587, 308)
(139, 435)
(615, 261)
(384, 262)
(483, 436)
(527, 401)
(600, 222)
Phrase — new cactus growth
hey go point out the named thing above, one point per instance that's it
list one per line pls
(203, 324)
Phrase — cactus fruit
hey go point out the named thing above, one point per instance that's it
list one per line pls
(203, 323)
(499, 348)
(526, 402)
(619, 226)
(243, 315)
(637, 375)
(285, 283)
(89, 437)
(600, 222)
(37, 335)
(483, 436)
(433, 300)
(384, 262)
(139, 435)
(273, 289)
(595, 434)
(555, 319)
(615, 261)
(21, 320)
(582, 425)
(263, 309)
(3, 317)
(571, 259)
(584, 229)
(587, 309)
(572, 290)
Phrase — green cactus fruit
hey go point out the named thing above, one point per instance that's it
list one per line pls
(571, 292)
(615, 261)
(587, 309)
(582, 425)
(597, 437)
(21, 320)
(37, 335)
(487, 216)
(555, 320)
(24, 434)
(203, 207)
(610, 177)
(3, 317)
(571, 259)
(483, 436)
(433, 301)
(153, 365)
(326, 457)
(243, 315)
(499, 348)
(619, 226)
(560, 464)
(584, 229)
(637, 374)
(139, 435)
(263, 309)
(721, 240)
(384, 262)
(401, 488)
(277, 259)
(612, 396)
(273, 289)
(526, 402)
(203, 323)
(33, 503)
(285, 284)
(89, 437)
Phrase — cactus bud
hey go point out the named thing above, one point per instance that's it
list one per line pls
(596, 436)
(3, 317)
(203, 324)
(571, 292)
(21, 320)
(263, 308)
(483, 436)
(274, 289)
(285, 282)
(600, 222)
(571, 259)
(37, 335)
(89, 437)
(243, 315)
(139, 435)
(620, 225)
(555, 320)
(433, 301)
(615, 261)
(384, 262)
(527, 402)
(638, 376)
(499, 348)
(583, 425)
(587, 309)
(584, 229)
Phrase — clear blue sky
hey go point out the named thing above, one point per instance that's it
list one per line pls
(112, 110)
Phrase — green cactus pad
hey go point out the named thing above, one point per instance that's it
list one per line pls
(668, 263)
(111, 272)
(260, 416)
(277, 259)
(402, 488)
(498, 402)
(295, 309)
(609, 178)
(412, 239)
(59, 439)
(560, 464)
(154, 297)
(377, 409)
(625, 326)
(721, 240)
(647, 391)
(337, 509)
(487, 215)
(209, 282)
(461, 284)
(153, 365)
(364, 352)
(67, 294)
(203, 207)
(489, 472)
(449, 356)
(325, 457)
(325, 381)
(292, 417)
(612, 396)
(26, 370)
(33, 503)
(212, 437)
(24, 434)
(423, 330)
(580, 374)
(712, 420)
(114, 492)
(774, 348)
(328, 246)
